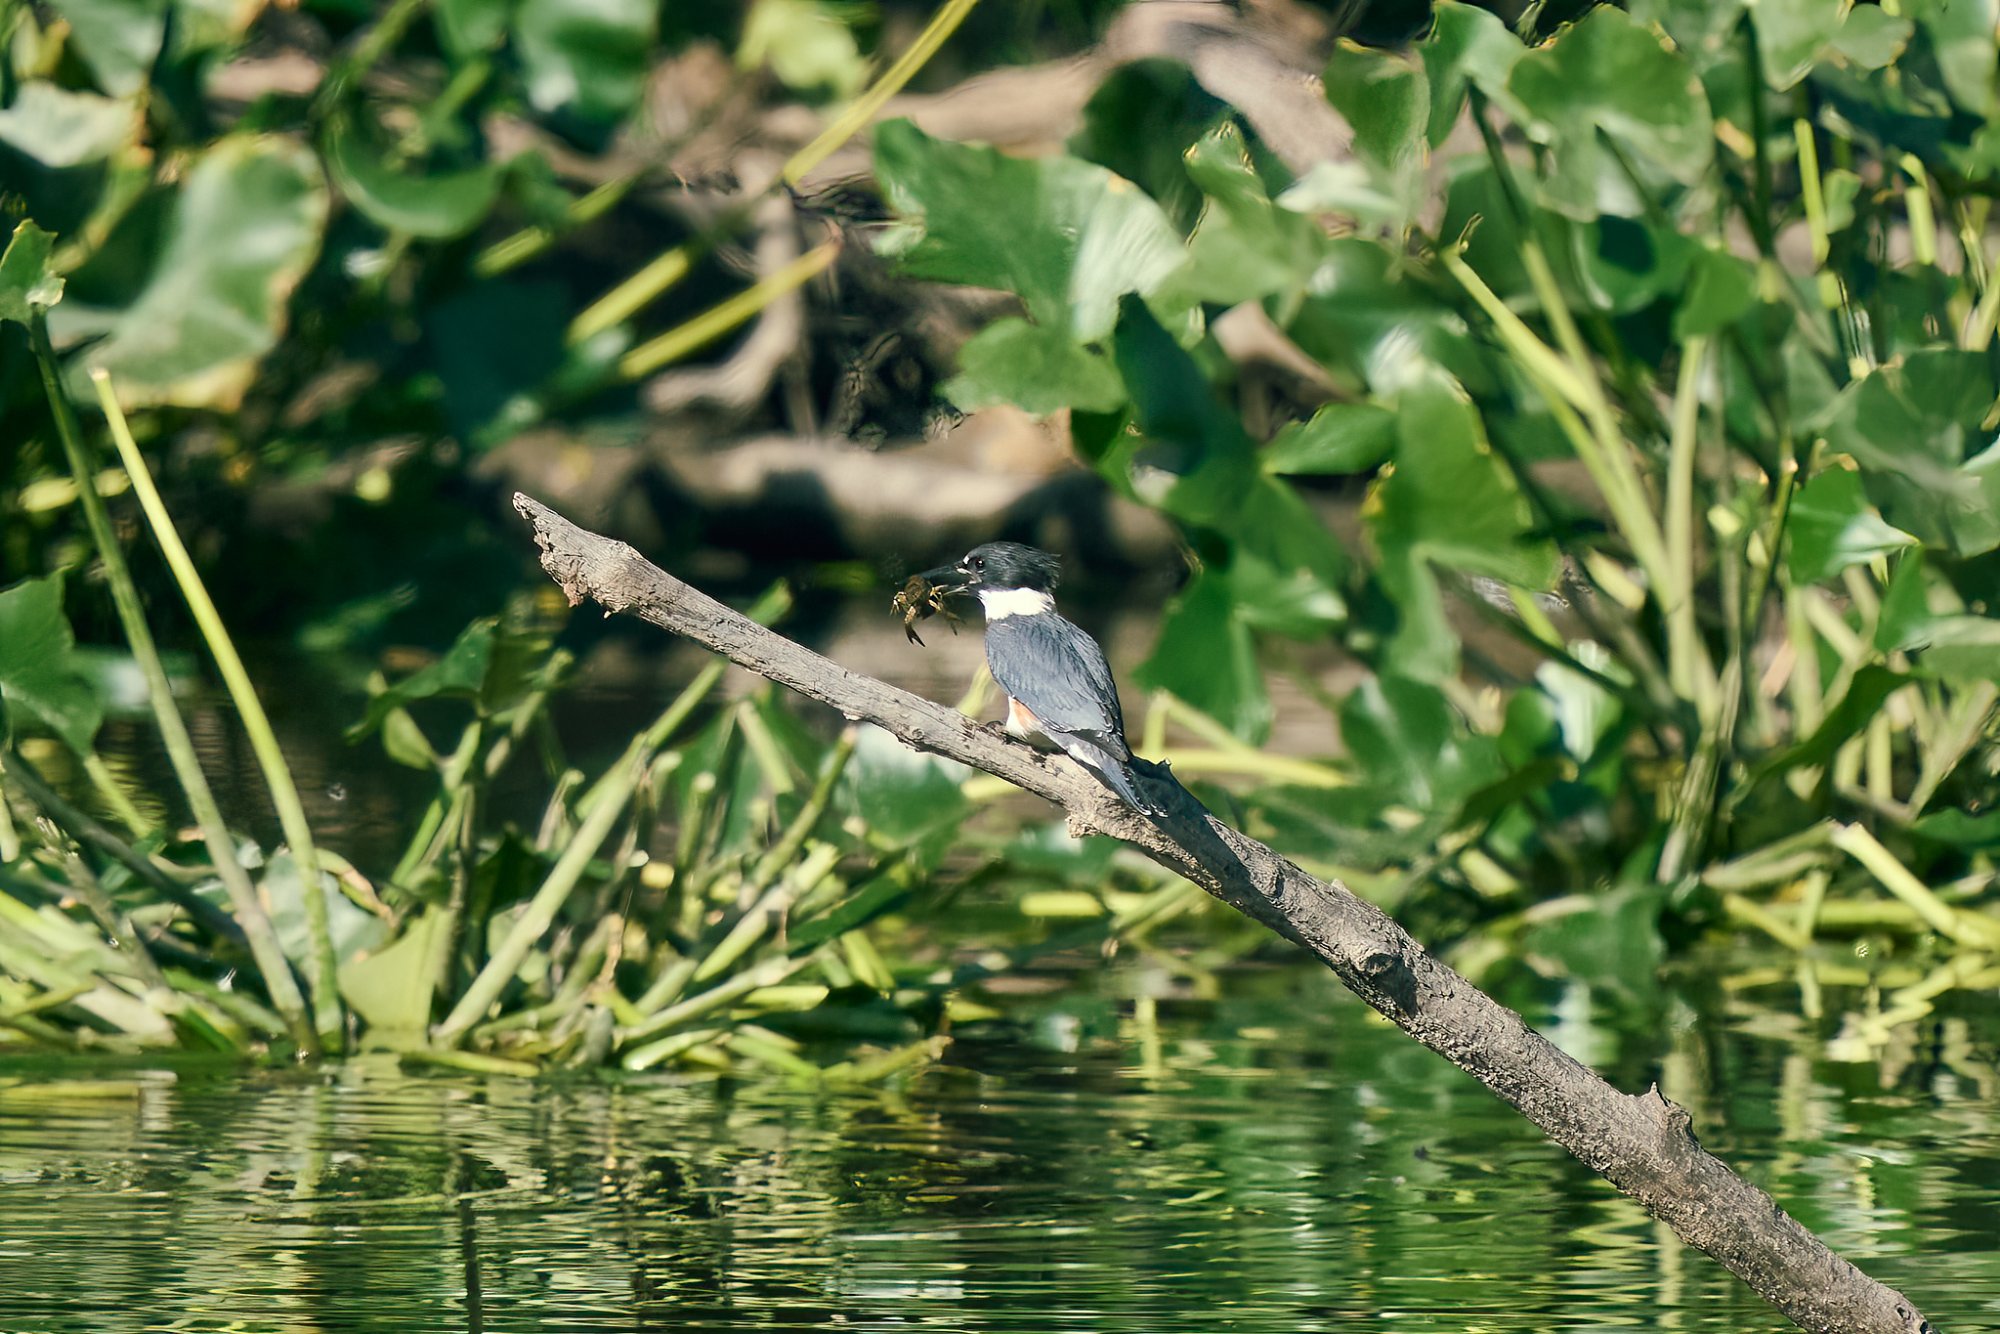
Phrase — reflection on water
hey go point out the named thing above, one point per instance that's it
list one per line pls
(1279, 1161)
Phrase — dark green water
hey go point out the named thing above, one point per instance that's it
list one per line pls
(1276, 1161)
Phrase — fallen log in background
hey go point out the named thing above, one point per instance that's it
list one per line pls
(1642, 1144)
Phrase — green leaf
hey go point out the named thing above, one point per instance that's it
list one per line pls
(1374, 328)
(1245, 246)
(1449, 499)
(1385, 97)
(1468, 47)
(1911, 428)
(40, 677)
(1372, 197)
(1630, 263)
(1722, 291)
(586, 56)
(386, 987)
(27, 283)
(1139, 124)
(1193, 458)
(1035, 368)
(1287, 570)
(1960, 829)
(354, 931)
(1205, 657)
(1702, 28)
(241, 233)
(118, 39)
(1961, 34)
(1855, 709)
(1795, 35)
(436, 206)
(1961, 649)
(461, 671)
(901, 795)
(1411, 745)
(1832, 526)
(1066, 236)
(60, 128)
(1339, 438)
(881, 894)
(805, 44)
(471, 27)
(1871, 37)
(1608, 76)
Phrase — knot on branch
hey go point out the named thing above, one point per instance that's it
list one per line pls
(1388, 972)
(1676, 1126)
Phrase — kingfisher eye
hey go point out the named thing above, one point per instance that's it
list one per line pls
(979, 562)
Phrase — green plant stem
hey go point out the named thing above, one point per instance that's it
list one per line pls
(1687, 661)
(88, 831)
(321, 965)
(265, 951)
(766, 974)
(862, 110)
(639, 290)
(1963, 927)
(600, 808)
(1917, 207)
(719, 319)
(513, 251)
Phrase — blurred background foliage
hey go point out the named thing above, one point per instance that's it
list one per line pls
(1583, 414)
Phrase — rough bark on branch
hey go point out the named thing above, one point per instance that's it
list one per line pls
(1642, 1144)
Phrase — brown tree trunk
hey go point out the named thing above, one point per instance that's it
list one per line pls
(1641, 1143)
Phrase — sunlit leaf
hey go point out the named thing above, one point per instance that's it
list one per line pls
(586, 56)
(900, 794)
(1606, 75)
(241, 232)
(1036, 368)
(352, 929)
(1412, 746)
(805, 44)
(1926, 460)
(1245, 246)
(1961, 34)
(386, 987)
(118, 39)
(1832, 526)
(1468, 47)
(1794, 35)
(1339, 438)
(1068, 237)
(1385, 97)
(1451, 500)
(61, 128)
(27, 283)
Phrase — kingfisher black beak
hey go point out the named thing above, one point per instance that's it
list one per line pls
(950, 579)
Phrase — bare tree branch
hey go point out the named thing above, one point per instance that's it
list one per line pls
(1642, 1144)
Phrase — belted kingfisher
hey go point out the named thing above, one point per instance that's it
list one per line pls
(1057, 682)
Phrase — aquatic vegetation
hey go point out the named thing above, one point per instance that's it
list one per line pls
(1660, 354)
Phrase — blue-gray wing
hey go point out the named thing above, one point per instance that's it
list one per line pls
(1060, 673)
